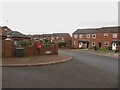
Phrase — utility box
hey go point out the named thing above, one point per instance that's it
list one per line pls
(19, 52)
(48, 52)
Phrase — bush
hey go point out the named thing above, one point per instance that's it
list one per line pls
(47, 44)
(62, 44)
(24, 43)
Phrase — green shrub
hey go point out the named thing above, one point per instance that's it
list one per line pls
(24, 43)
(47, 44)
(62, 44)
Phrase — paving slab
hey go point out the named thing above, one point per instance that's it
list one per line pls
(35, 60)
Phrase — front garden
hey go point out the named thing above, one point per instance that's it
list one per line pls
(104, 50)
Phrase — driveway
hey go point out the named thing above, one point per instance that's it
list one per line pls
(83, 71)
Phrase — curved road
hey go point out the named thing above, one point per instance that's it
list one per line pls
(83, 71)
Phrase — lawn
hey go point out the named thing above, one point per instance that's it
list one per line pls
(104, 50)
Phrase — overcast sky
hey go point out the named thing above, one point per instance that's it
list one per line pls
(50, 17)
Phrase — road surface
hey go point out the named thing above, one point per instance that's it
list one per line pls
(83, 71)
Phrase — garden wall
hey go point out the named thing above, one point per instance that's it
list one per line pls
(9, 50)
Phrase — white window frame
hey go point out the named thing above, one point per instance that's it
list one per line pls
(80, 36)
(114, 35)
(88, 35)
(57, 37)
(40, 38)
(63, 38)
(75, 35)
(105, 43)
(52, 38)
(93, 35)
(45, 38)
(92, 43)
(6, 29)
(105, 35)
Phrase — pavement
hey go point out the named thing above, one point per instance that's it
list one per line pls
(91, 51)
(35, 60)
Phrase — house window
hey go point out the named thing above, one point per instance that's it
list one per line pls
(16, 43)
(105, 35)
(88, 35)
(52, 38)
(44, 37)
(80, 36)
(94, 36)
(93, 43)
(106, 43)
(5, 29)
(114, 35)
(75, 43)
(62, 38)
(40, 38)
(34, 38)
(56, 37)
(75, 36)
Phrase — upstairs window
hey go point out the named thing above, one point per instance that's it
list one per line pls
(88, 35)
(94, 36)
(105, 35)
(5, 29)
(57, 37)
(80, 36)
(114, 35)
(62, 38)
(52, 38)
(75, 36)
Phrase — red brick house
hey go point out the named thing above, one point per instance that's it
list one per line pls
(62, 37)
(55, 37)
(13, 35)
(47, 36)
(37, 37)
(105, 37)
(3, 32)
(17, 36)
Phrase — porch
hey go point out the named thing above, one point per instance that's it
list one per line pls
(82, 44)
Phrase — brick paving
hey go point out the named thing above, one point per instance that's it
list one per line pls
(35, 60)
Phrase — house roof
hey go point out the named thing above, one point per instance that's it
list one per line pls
(110, 29)
(84, 31)
(47, 35)
(60, 34)
(37, 35)
(98, 30)
(4, 30)
(16, 34)
(6, 27)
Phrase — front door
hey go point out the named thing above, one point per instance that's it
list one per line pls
(87, 45)
(114, 46)
(99, 44)
(80, 45)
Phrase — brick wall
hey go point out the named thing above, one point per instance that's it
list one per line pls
(9, 50)
(29, 51)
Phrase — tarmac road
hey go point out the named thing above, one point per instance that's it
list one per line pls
(83, 71)
(101, 62)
